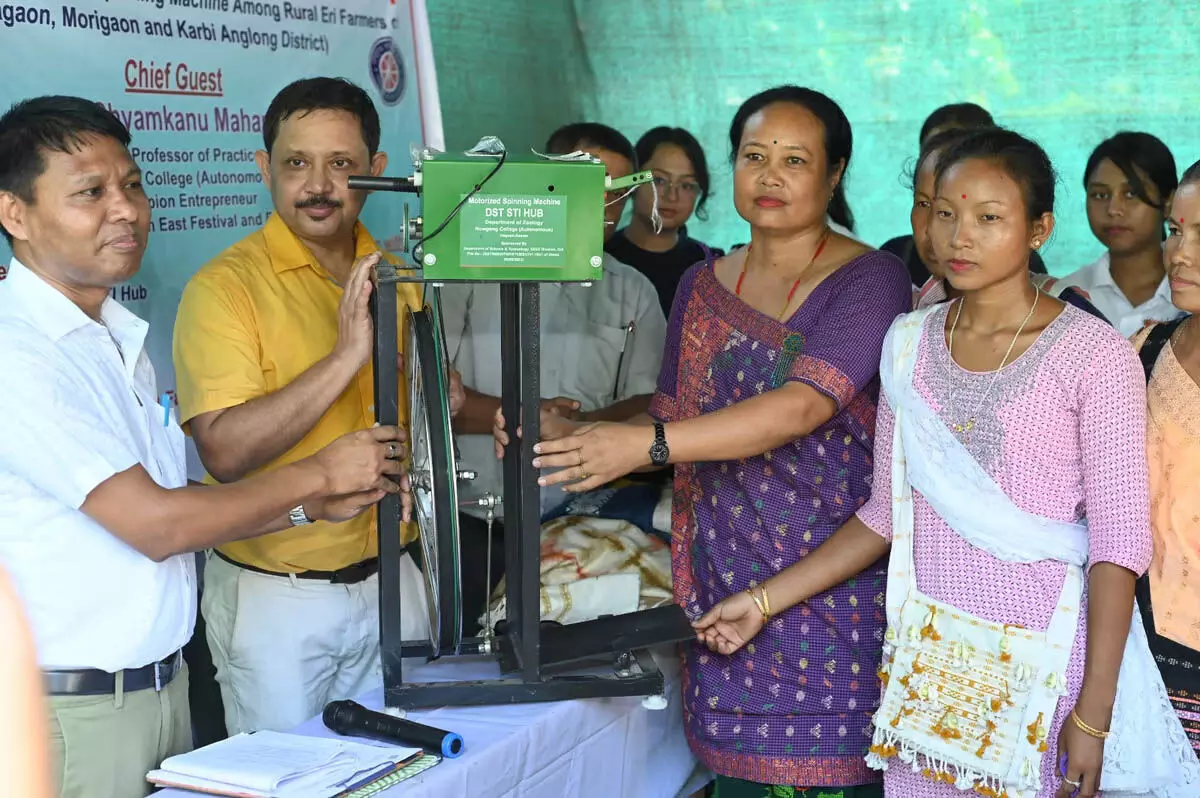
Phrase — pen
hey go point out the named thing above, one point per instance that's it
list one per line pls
(630, 329)
(165, 401)
(374, 775)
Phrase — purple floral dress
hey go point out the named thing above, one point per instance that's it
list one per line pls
(794, 706)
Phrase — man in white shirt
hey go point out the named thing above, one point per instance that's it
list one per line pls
(601, 346)
(96, 514)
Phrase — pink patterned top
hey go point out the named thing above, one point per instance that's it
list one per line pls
(1063, 433)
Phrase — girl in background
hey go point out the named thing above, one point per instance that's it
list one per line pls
(681, 181)
(1128, 179)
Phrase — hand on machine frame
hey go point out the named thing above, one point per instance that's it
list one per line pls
(557, 420)
(730, 624)
(355, 332)
(594, 455)
(360, 468)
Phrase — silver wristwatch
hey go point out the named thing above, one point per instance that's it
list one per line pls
(299, 517)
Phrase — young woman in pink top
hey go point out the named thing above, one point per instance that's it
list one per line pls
(1010, 486)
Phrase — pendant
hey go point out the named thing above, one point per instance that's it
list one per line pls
(963, 429)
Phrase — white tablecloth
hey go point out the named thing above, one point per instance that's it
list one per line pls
(594, 748)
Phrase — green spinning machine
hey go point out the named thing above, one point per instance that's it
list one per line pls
(489, 217)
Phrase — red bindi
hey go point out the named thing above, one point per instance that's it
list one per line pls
(964, 196)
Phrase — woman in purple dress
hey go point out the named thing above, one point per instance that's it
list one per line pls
(766, 407)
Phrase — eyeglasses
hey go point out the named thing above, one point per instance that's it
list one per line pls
(665, 186)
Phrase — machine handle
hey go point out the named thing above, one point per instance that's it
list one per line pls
(372, 183)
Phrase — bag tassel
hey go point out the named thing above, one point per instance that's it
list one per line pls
(886, 746)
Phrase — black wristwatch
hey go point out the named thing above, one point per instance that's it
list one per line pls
(659, 451)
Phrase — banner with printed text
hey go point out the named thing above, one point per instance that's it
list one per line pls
(191, 79)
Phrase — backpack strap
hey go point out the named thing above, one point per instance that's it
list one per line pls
(1156, 339)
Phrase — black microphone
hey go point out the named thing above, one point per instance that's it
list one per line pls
(374, 183)
(354, 720)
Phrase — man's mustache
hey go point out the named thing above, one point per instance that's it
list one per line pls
(318, 201)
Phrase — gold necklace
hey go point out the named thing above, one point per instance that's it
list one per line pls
(964, 428)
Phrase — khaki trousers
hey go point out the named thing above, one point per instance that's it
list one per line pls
(283, 648)
(102, 746)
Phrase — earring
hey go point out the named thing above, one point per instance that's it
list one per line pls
(1037, 242)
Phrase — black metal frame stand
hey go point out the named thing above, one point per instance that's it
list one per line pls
(531, 655)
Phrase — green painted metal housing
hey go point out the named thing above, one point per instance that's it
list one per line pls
(535, 220)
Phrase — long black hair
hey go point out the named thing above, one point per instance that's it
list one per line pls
(839, 139)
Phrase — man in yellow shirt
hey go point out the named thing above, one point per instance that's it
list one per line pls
(272, 365)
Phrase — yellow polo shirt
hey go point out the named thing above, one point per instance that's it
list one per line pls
(252, 320)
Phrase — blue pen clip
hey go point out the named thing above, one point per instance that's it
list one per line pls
(165, 401)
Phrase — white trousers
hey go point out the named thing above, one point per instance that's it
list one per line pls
(285, 647)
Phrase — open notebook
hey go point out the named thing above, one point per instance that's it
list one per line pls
(271, 764)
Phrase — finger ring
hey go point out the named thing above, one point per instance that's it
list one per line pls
(580, 453)
(391, 451)
(1075, 784)
(582, 473)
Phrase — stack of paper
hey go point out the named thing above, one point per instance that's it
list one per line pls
(271, 764)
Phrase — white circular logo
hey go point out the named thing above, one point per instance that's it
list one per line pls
(387, 70)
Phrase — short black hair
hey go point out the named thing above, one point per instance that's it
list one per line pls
(1135, 152)
(322, 94)
(55, 123)
(961, 116)
(1022, 159)
(839, 138)
(654, 138)
(579, 135)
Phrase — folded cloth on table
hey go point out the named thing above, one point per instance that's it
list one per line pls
(596, 566)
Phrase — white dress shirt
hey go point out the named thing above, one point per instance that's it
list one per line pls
(586, 338)
(79, 405)
(1097, 281)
